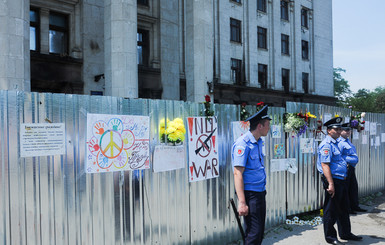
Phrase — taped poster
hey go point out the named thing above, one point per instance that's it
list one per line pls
(306, 145)
(276, 131)
(167, 158)
(203, 148)
(117, 143)
(239, 128)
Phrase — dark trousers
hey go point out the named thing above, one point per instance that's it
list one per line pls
(352, 188)
(336, 210)
(255, 220)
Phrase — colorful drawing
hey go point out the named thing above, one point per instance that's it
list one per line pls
(203, 149)
(306, 145)
(116, 143)
(276, 131)
(279, 150)
(239, 128)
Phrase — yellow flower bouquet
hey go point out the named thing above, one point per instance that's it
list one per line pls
(172, 131)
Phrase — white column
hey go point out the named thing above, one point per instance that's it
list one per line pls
(14, 45)
(169, 49)
(120, 45)
(199, 48)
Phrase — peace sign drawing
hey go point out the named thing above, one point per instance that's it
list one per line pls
(112, 141)
(111, 144)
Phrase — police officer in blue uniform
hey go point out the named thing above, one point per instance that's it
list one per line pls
(250, 177)
(334, 170)
(349, 154)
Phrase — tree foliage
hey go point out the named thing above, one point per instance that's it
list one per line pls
(363, 100)
(341, 86)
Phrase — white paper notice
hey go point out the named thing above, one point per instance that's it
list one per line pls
(365, 139)
(277, 165)
(292, 165)
(168, 158)
(347, 119)
(373, 128)
(383, 137)
(306, 145)
(367, 125)
(377, 143)
(275, 131)
(42, 139)
(371, 142)
(327, 117)
(356, 135)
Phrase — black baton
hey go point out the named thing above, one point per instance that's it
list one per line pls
(238, 219)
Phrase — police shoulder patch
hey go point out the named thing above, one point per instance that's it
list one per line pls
(239, 150)
(325, 151)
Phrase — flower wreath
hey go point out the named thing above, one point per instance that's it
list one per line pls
(297, 122)
(357, 122)
(172, 131)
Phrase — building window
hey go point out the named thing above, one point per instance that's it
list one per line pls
(305, 50)
(284, 10)
(261, 5)
(58, 33)
(235, 30)
(285, 79)
(237, 1)
(96, 93)
(143, 47)
(142, 2)
(285, 44)
(262, 75)
(304, 18)
(305, 82)
(236, 66)
(262, 37)
(34, 30)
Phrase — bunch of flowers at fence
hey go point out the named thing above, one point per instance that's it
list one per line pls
(297, 122)
(297, 221)
(207, 111)
(172, 131)
(357, 121)
(244, 113)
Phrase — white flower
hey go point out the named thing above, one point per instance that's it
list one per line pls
(288, 222)
(363, 114)
(301, 222)
(295, 218)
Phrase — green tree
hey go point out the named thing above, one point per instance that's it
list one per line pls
(341, 86)
(369, 101)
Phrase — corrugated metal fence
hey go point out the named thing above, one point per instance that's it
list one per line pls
(51, 200)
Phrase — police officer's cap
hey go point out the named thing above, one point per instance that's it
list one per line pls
(334, 123)
(260, 115)
(346, 126)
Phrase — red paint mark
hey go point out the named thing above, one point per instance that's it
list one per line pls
(190, 124)
(191, 170)
(213, 137)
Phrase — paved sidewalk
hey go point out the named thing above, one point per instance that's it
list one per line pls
(369, 225)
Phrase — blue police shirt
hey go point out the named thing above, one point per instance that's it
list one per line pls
(328, 152)
(247, 152)
(348, 150)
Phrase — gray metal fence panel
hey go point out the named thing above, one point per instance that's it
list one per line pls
(303, 187)
(51, 200)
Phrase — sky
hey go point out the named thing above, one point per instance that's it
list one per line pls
(359, 42)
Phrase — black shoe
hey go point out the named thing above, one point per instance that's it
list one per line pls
(352, 212)
(360, 210)
(352, 237)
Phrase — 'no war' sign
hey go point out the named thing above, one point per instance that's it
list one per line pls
(203, 148)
